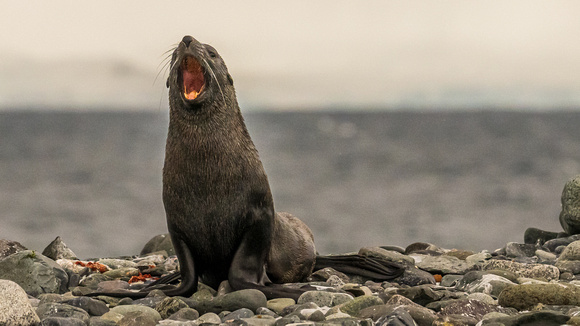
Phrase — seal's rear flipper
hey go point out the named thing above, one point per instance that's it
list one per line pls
(370, 267)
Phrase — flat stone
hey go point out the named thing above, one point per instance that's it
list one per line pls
(544, 318)
(526, 296)
(138, 309)
(413, 276)
(91, 306)
(354, 306)
(185, 314)
(260, 321)
(15, 308)
(539, 271)
(62, 321)
(441, 264)
(477, 281)
(238, 314)
(514, 249)
(477, 258)
(324, 299)
(278, 305)
(249, 298)
(470, 308)
(61, 310)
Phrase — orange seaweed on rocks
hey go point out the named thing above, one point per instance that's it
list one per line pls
(141, 278)
(94, 266)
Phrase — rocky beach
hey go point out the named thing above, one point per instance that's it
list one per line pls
(536, 282)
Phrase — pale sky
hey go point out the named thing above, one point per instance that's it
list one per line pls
(296, 55)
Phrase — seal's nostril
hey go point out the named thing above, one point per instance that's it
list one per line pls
(187, 40)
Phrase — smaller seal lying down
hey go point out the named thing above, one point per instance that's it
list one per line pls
(219, 208)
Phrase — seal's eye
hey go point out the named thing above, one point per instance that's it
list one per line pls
(212, 54)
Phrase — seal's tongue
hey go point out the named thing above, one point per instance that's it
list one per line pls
(193, 80)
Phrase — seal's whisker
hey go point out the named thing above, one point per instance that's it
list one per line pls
(214, 77)
(163, 65)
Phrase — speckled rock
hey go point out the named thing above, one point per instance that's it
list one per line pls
(570, 214)
(477, 281)
(540, 271)
(170, 305)
(526, 296)
(15, 308)
(324, 299)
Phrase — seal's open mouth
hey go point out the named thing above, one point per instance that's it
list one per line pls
(192, 76)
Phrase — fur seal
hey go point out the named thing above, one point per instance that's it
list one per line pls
(218, 204)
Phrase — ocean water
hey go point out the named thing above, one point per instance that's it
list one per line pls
(469, 180)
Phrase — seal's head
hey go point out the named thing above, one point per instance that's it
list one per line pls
(197, 74)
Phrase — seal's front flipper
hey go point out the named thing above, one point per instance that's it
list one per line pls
(370, 267)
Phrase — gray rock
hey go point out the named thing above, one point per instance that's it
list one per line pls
(62, 321)
(441, 264)
(61, 310)
(287, 320)
(260, 321)
(92, 306)
(569, 266)
(34, 272)
(353, 307)
(477, 258)
(136, 310)
(570, 214)
(238, 314)
(485, 298)
(553, 244)
(15, 309)
(324, 299)
(545, 256)
(9, 247)
(470, 308)
(110, 286)
(526, 296)
(544, 318)
(476, 281)
(249, 298)
(399, 317)
(572, 251)
(537, 236)
(159, 243)
(413, 276)
(98, 321)
(514, 249)
(278, 305)
(423, 294)
(209, 318)
(57, 249)
(537, 271)
(326, 273)
(185, 314)
(136, 318)
(444, 320)
(170, 305)
(450, 280)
